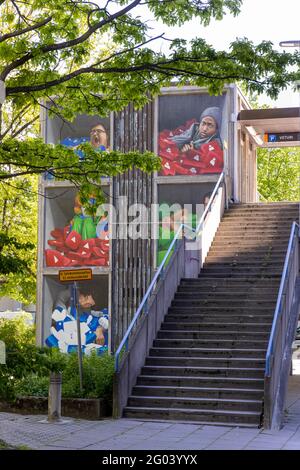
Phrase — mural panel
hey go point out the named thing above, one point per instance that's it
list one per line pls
(61, 310)
(190, 129)
(84, 129)
(179, 206)
(73, 237)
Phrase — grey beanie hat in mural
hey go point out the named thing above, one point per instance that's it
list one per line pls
(213, 112)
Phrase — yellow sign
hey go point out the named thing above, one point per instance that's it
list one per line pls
(70, 275)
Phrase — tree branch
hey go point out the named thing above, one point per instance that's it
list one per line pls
(18, 117)
(19, 32)
(124, 51)
(74, 42)
(204, 75)
(19, 12)
(22, 128)
(155, 67)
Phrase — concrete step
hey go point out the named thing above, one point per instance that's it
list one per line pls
(226, 310)
(242, 274)
(268, 219)
(203, 292)
(229, 283)
(196, 299)
(276, 215)
(214, 282)
(217, 344)
(189, 381)
(245, 223)
(213, 334)
(216, 326)
(215, 362)
(258, 217)
(233, 372)
(227, 318)
(241, 267)
(248, 230)
(195, 403)
(251, 265)
(241, 255)
(198, 392)
(233, 223)
(250, 238)
(229, 418)
(223, 306)
(244, 247)
(244, 260)
(241, 240)
(262, 205)
(279, 214)
(259, 274)
(254, 251)
(207, 352)
(257, 228)
(240, 231)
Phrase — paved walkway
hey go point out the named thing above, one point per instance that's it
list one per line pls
(128, 434)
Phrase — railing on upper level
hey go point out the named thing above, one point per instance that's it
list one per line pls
(184, 258)
(278, 357)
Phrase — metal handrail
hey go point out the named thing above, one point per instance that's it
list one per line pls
(145, 299)
(279, 298)
(211, 199)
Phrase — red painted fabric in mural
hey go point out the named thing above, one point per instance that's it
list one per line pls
(69, 250)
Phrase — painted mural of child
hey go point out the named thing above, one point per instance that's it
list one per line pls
(94, 325)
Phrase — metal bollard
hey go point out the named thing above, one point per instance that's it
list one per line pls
(54, 397)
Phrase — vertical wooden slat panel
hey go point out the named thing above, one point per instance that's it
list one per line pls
(120, 292)
(151, 243)
(124, 267)
(132, 259)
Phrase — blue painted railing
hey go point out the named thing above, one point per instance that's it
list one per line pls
(278, 309)
(143, 304)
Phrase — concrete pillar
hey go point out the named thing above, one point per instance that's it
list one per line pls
(54, 397)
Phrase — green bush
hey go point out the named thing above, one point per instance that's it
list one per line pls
(32, 385)
(22, 356)
(21, 353)
(97, 377)
(28, 367)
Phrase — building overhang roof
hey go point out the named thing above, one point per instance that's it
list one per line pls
(271, 121)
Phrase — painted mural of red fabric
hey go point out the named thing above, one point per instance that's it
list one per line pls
(69, 250)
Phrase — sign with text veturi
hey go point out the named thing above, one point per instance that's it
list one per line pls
(282, 137)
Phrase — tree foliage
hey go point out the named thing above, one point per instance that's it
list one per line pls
(279, 174)
(92, 57)
(18, 238)
(80, 56)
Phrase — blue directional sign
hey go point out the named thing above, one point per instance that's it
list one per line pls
(282, 137)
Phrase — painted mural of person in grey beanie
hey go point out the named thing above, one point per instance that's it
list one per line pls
(202, 132)
(194, 148)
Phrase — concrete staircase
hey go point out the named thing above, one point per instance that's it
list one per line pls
(207, 363)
